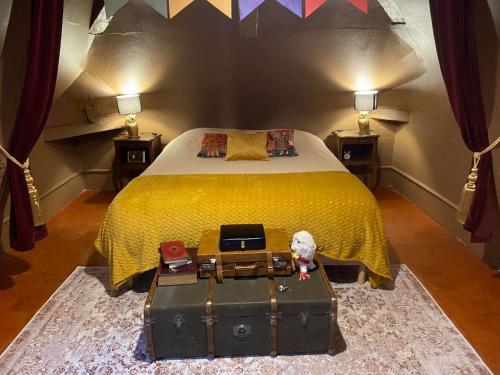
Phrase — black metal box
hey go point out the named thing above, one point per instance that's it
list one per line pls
(242, 237)
(257, 316)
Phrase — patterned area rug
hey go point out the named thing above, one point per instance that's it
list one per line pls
(82, 330)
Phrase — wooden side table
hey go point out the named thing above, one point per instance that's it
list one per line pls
(133, 156)
(358, 153)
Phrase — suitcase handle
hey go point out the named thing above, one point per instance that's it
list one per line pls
(245, 268)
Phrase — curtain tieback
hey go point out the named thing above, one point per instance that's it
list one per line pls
(6, 153)
(470, 187)
(33, 193)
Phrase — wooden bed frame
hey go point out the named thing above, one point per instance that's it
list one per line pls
(362, 270)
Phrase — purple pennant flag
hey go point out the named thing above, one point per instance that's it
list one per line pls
(247, 6)
(293, 5)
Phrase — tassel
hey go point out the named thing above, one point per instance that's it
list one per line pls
(468, 192)
(33, 193)
(35, 201)
(470, 187)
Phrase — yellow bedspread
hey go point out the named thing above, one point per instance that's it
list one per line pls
(335, 207)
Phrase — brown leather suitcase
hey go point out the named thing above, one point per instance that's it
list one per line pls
(247, 316)
(274, 260)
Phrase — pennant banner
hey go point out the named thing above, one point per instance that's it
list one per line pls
(293, 5)
(362, 5)
(247, 6)
(223, 5)
(113, 6)
(312, 5)
(175, 6)
(159, 5)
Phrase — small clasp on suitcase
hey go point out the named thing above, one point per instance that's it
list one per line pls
(279, 264)
(208, 267)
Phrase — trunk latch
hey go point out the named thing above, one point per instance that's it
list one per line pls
(178, 320)
(241, 331)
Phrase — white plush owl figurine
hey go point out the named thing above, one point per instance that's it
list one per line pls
(303, 248)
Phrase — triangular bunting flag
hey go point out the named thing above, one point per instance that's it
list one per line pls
(312, 5)
(293, 5)
(159, 5)
(113, 6)
(175, 6)
(223, 5)
(247, 6)
(362, 5)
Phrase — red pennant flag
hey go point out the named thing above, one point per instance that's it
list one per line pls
(362, 5)
(312, 5)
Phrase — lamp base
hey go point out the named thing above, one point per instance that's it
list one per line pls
(363, 123)
(132, 128)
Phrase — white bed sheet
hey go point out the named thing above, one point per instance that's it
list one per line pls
(179, 157)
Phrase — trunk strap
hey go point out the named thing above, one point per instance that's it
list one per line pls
(218, 265)
(210, 318)
(148, 320)
(273, 317)
(270, 266)
(333, 307)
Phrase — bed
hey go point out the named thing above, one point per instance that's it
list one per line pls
(181, 195)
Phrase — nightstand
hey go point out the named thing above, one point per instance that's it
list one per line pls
(133, 156)
(358, 153)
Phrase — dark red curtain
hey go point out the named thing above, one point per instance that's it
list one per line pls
(36, 100)
(452, 21)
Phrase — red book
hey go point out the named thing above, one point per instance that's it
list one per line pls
(173, 252)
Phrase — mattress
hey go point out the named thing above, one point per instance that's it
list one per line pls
(180, 196)
(179, 157)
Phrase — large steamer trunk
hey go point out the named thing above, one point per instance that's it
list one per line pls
(246, 316)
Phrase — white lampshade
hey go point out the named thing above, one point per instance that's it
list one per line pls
(365, 100)
(129, 104)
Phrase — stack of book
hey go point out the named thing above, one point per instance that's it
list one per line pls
(176, 266)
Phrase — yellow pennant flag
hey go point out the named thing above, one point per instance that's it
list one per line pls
(223, 5)
(175, 6)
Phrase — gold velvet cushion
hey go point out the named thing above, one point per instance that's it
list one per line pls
(247, 146)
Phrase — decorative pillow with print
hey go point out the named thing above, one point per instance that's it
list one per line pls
(213, 145)
(280, 143)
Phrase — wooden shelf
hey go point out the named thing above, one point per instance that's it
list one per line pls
(148, 143)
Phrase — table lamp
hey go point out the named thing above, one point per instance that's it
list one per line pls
(365, 101)
(130, 105)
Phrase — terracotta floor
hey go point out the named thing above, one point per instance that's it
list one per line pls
(466, 289)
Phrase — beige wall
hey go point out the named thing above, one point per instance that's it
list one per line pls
(5, 6)
(492, 253)
(198, 70)
(56, 167)
(430, 158)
